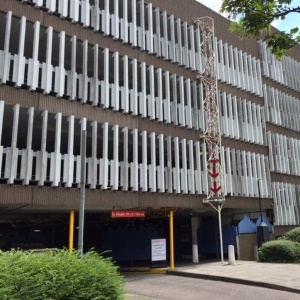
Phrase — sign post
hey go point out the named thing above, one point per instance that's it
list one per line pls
(215, 189)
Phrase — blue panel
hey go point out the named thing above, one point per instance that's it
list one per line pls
(229, 237)
(246, 226)
(208, 237)
(266, 221)
(128, 243)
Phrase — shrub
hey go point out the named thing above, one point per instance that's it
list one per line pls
(283, 251)
(58, 276)
(293, 235)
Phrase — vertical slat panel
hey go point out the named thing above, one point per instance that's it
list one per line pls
(94, 163)
(157, 40)
(41, 169)
(84, 77)
(72, 76)
(151, 96)
(143, 93)
(167, 115)
(188, 116)
(51, 5)
(144, 164)
(115, 20)
(134, 96)
(159, 99)
(182, 102)
(245, 174)
(165, 44)
(56, 155)
(133, 31)
(134, 165)
(74, 10)
(192, 53)
(195, 110)
(95, 15)
(5, 65)
(104, 169)
(234, 173)
(12, 160)
(124, 174)
(198, 45)
(63, 8)
(169, 169)
(125, 90)
(150, 28)
(29, 154)
(191, 170)
(251, 178)
(172, 37)
(152, 167)
(19, 59)
(185, 45)
(198, 177)
(179, 42)
(60, 70)
(47, 67)
(176, 169)
(115, 101)
(69, 157)
(114, 175)
(228, 171)
(184, 171)
(105, 90)
(106, 18)
(161, 167)
(124, 27)
(141, 28)
(33, 63)
(174, 97)
(95, 80)
(240, 177)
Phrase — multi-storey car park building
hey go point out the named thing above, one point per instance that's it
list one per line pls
(127, 71)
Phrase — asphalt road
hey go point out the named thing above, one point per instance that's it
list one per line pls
(168, 287)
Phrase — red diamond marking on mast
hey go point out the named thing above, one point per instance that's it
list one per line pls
(214, 173)
(215, 189)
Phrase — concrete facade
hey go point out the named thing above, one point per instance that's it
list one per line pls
(126, 71)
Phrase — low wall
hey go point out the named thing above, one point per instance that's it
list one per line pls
(245, 245)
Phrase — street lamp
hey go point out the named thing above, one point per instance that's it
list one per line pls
(82, 191)
(259, 199)
(262, 229)
(220, 202)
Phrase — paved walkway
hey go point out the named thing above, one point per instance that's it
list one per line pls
(276, 276)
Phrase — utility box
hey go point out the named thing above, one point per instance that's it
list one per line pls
(262, 234)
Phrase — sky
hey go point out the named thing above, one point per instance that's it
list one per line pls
(291, 21)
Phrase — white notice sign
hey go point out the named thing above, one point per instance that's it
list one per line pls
(158, 250)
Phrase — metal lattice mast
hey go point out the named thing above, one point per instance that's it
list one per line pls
(212, 133)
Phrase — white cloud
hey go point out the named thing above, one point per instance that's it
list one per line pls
(216, 5)
(290, 21)
(276, 23)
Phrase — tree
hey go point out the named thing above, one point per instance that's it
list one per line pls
(253, 18)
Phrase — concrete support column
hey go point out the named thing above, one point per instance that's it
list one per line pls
(195, 225)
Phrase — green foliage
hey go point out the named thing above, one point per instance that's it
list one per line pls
(255, 18)
(58, 276)
(281, 251)
(293, 235)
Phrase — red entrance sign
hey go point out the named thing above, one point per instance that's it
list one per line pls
(128, 214)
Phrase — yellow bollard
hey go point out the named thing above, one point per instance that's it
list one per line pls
(172, 267)
(71, 231)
